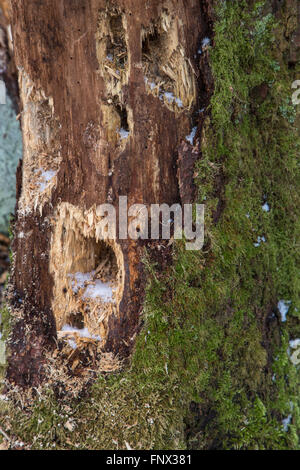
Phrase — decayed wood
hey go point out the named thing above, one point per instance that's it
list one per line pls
(86, 70)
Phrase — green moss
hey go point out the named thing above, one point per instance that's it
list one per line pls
(210, 368)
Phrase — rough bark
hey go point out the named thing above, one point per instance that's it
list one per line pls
(86, 71)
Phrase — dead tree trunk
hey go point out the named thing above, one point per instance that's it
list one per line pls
(109, 91)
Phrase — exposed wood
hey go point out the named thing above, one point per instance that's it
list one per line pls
(87, 70)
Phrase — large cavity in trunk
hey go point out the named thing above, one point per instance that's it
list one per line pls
(88, 274)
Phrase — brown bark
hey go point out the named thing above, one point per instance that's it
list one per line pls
(86, 69)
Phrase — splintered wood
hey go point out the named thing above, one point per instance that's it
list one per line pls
(168, 73)
(88, 276)
(42, 150)
(112, 51)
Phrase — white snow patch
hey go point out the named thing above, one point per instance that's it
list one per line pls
(151, 84)
(79, 280)
(101, 290)
(266, 207)
(83, 333)
(170, 97)
(283, 307)
(295, 343)
(205, 42)
(96, 289)
(72, 343)
(286, 422)
(190, 138)
(123, 133)
(259, 241)
(45, 178)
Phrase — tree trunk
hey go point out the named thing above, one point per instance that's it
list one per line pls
(162, 102)
(98, 84)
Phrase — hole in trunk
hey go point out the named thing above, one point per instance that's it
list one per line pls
(93, 284)
(124, 126)
(116, 50)
(168, 73)
(76, 320)
(88, 277)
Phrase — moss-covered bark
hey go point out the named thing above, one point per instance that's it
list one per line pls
(211, 368)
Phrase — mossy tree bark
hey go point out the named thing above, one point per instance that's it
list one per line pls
(109, 91)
